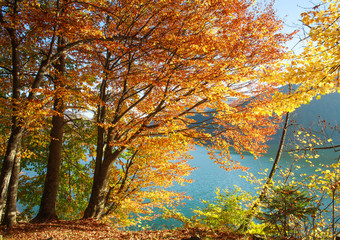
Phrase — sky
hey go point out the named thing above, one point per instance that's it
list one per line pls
(290, 10)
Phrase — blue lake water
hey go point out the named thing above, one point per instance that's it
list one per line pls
(209, 176)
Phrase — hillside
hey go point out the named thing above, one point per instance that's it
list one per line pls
(326, 108)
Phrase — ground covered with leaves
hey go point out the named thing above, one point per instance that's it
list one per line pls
(91, 229)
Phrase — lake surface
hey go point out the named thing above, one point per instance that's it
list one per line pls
(209, 176)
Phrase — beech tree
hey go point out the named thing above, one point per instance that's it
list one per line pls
(30, 30)
(21, 21)
(193, 57)
(47, 208)
(146, 68)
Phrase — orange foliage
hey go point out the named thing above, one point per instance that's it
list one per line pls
(148, 69)
(181, 59)
(178, 60)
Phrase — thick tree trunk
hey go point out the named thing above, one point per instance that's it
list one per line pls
(17, 129)
(101, 178)
(7, 167)
(10, 217)
(47, 210)
(95, 206)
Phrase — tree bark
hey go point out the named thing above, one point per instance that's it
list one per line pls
(6, 170)
(17, 128)
(251, 213)
(10, 217)
(47, 209)
(101, 178)
(95, 204)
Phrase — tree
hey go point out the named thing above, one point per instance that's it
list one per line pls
(145, 69)
(284, 209)
(19, 20)
(30, 29)
(16, 132)
(310, 210)
(47, 208)
(193, 57)
(316, 70)
(75, 172)
(321, 141)
(139, 179)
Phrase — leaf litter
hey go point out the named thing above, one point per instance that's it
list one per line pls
(94, 230)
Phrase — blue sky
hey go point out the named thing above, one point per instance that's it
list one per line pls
(290, 10)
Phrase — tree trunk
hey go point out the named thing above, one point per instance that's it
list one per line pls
(17, 129)
(10, 217)
(250, 215)
(6, 171)
(96, 203)
(47, 210)
(101, 178)
(17, 123)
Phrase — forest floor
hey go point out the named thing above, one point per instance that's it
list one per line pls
(91, 229)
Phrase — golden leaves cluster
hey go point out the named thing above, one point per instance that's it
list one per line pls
(315, 71)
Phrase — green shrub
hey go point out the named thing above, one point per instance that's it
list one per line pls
(285, 210)
(226, 211)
